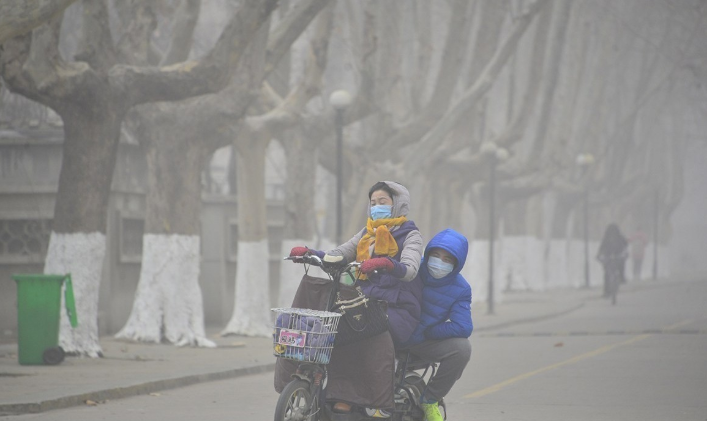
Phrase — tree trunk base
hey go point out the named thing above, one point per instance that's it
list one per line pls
(168, 298)
(80, 255)
(251, 315)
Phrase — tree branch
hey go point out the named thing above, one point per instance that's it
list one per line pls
(289, 29)
(192, 78)
(134, 44)
(471, 97)
(96, 46)
(44, 54)
(442, 91)
(231, 104)
(513, 132)
(289, 111)
(32, 66)
(182, 33)
(20, 17)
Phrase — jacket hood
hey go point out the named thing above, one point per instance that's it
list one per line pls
(401, 201)
(453, 242)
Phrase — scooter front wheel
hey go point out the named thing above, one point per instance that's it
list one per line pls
(296, 403)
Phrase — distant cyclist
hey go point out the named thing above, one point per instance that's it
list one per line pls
(613, 253)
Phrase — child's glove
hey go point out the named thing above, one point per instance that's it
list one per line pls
(381, 264)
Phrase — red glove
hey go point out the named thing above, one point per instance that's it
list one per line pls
(377, 263)
(298, 251)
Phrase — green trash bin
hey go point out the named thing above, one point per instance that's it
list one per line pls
(38, 312)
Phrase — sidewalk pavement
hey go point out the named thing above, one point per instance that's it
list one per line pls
(131, 368)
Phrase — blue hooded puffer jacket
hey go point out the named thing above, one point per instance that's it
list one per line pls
(446, 302)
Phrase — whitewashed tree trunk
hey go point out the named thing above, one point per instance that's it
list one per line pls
(290, 273)
(300, 214)
(168, 295)
(168, 302)
(558, 271)
(512, 270)
(80, 255)
(522, 265)
(251, 315)
(476, 272)
(664, 269)
(534, 257)
(576, 262)
(179, 135)
(183, 305)
(78, 243)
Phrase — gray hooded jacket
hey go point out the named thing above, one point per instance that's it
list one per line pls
(413, 245)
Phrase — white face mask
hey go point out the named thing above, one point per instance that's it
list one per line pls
(439, 268)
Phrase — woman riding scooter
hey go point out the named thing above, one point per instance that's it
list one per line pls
(390, 249)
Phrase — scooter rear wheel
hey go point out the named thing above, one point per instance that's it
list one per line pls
(415, 384)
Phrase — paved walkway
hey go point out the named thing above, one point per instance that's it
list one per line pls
(129, 368)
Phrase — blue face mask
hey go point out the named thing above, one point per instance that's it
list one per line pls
(438, 268)
(381, 212)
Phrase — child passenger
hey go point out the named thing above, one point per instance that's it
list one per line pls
(445, 324)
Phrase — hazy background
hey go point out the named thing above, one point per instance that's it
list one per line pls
(184, 137)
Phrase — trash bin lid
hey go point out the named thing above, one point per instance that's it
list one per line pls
(18, 277)
(69, 301)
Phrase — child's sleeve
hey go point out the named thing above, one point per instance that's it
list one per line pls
(459, 324)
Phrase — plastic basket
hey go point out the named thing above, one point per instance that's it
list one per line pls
(304, 335)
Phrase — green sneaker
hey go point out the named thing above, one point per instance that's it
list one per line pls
(432, 412)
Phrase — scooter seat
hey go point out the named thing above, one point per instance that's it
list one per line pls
(413, 361)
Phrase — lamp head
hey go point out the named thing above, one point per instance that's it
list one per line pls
(585, 159)
(340, 99)
(488, 149)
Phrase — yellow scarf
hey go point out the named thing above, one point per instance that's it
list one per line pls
(378, 234)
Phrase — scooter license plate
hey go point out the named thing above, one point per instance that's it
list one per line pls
(295, 338)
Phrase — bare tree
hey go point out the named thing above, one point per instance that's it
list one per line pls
(92, 95)
(179, 137)
(252, 135)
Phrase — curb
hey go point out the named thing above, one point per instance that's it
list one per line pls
(128, 391)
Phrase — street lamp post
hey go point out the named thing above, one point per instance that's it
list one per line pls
(656, 213)
(494, 155)
(585, 228)
(584, 161)
(339, 100)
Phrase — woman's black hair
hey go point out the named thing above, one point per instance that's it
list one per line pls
(381, 186)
